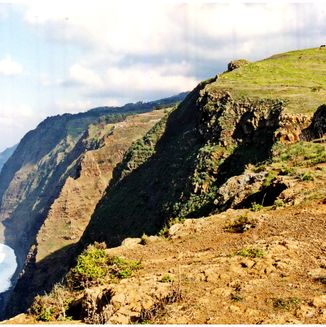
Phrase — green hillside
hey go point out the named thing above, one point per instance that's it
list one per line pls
(185, 166)
(297, 76)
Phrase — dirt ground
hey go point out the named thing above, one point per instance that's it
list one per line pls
(285, 285)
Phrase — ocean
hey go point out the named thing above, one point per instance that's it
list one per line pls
(8, 265)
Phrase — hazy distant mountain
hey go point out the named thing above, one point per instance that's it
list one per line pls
(6, 154)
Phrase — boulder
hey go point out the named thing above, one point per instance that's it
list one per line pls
(234, 64)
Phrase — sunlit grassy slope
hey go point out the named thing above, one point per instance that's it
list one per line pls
(297, 76)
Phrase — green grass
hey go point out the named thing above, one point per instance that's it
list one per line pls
(286, 303)
(297, 76)
(166, 279)
(256, 207)
(304, 154)
(251, 253)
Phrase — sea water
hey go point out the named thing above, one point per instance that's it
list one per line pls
(8, 265)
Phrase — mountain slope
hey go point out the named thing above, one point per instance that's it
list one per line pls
(33, 177)
(297, 76)
(225, 146)
(179, 168)
(71, 211)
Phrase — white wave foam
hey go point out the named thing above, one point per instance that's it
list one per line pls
(8, 265)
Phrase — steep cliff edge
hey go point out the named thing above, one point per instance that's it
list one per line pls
(33, 176)
(69, 215)
(50, 155)
(225, 146)
(225, 125)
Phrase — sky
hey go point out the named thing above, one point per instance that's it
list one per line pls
(71, 56)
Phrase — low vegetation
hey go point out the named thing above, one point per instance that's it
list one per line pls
(94, 267)
(166, 279)
(251, 252)
(241, 224)
(286, 303)
(296, 76)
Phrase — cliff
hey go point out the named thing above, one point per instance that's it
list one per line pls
(245, 149)
(53, 154)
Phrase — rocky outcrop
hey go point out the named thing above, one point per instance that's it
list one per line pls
(131, 301)
(232, 65)
(291, 127)
(317, 129)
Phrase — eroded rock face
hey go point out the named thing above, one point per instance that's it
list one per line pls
(317, 129)
(72, 209)
(291, 127)
(130, 301)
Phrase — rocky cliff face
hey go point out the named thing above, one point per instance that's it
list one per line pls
(33, 176)
(221, 148)
(50, 256)
(49, 156)
(210, 138)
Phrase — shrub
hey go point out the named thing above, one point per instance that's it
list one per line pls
(241, 224)
(52, 306)
(122, 268)
(286, 304)
(269, 178)
(166, 279)
(90, 269)
(41, 311)
(279, 203)
(251, 252)
(256, 207)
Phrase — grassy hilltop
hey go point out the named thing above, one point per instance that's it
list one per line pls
(297, 76)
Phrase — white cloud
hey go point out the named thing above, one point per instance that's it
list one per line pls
(139, 78)
(9, 67)
(71, 106)
(156, 27)
(16, 115)
(16, 120)
(124, 51)
(83, 75)
(131, 83)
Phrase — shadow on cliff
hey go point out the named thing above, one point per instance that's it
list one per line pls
(132, 201)
(254, 146)
(39, 278)
(142, 201)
